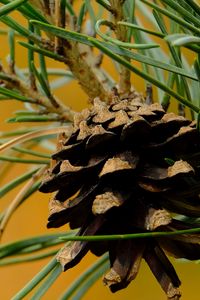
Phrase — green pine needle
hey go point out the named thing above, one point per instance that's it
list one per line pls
(12, 184)
(51, 278)
(11, 6)
(173, 16)
(14, 95)
(146, 76)
(23, 161)
(36, 280)
(25, 258)
(129, 236)
(83, 282)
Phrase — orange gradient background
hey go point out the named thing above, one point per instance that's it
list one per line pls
(31, 217)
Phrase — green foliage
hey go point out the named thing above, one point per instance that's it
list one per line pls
(174, 26)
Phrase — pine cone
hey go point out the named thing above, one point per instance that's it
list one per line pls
(125, 168)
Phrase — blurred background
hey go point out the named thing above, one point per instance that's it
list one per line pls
(31, 217)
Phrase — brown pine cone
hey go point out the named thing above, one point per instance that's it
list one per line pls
(125, 168)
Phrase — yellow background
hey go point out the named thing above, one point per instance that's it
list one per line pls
(30, 220)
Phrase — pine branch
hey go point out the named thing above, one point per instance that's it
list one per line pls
(80, 59)
(121, 35)
(13, 82)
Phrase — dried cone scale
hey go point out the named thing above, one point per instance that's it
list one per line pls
(126, 168)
